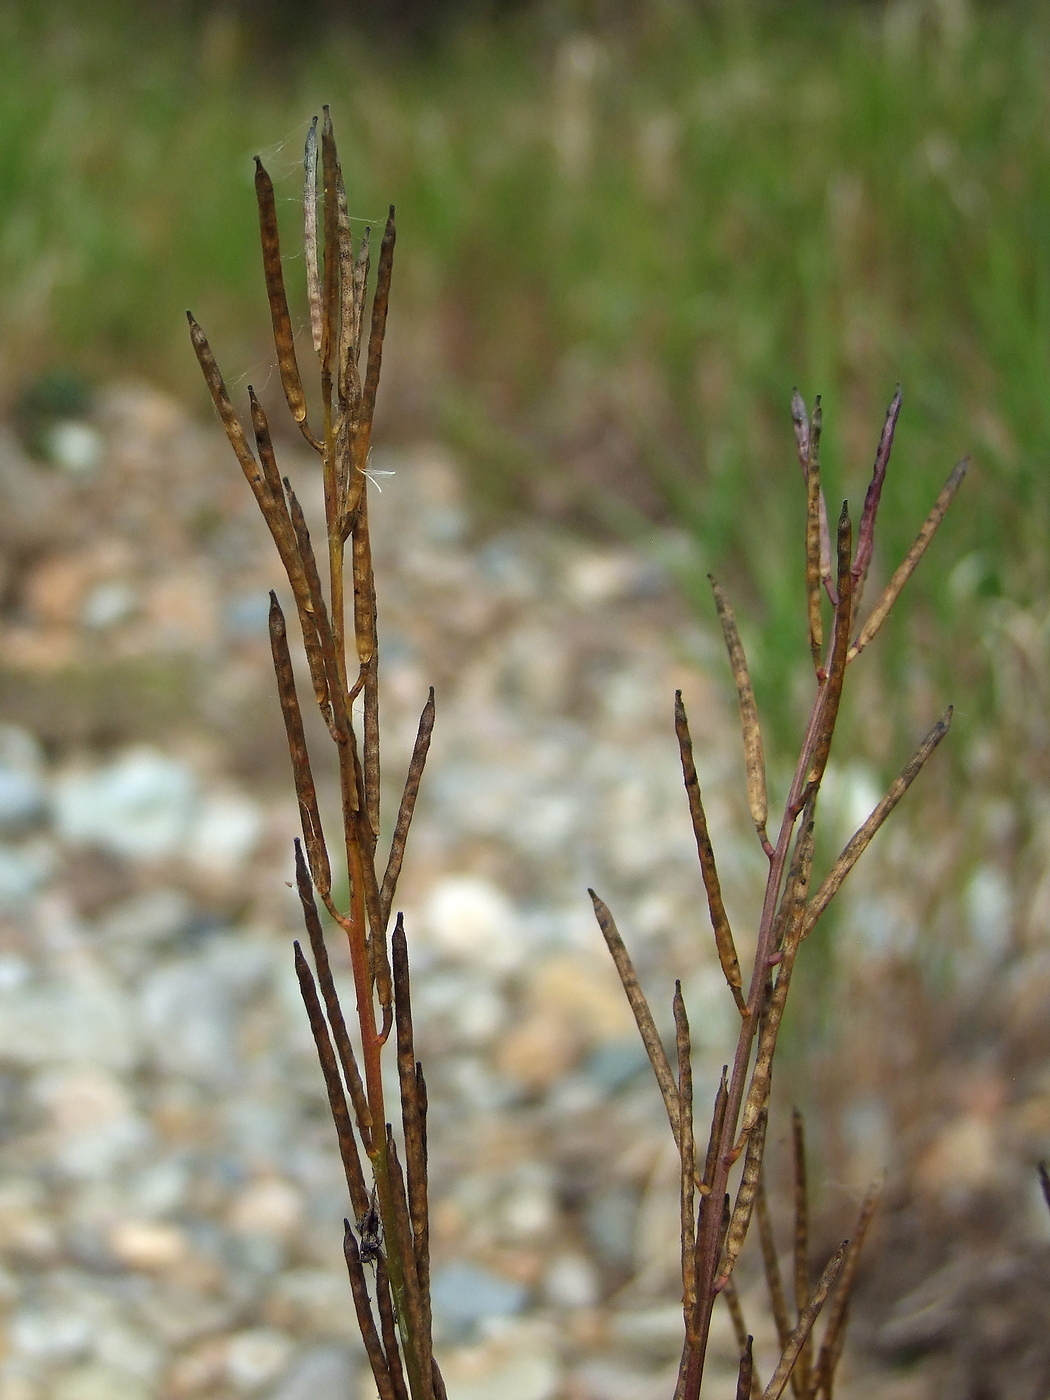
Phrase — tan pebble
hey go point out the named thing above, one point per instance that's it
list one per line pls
(256, 1356)
(964, 1156)
(98, 1382)
(586, 989)
(148, 1245)
(199, 1369)
(539, 1050)
(269, 1207)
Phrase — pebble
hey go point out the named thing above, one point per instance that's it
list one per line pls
(465, 1295)
(141, 805)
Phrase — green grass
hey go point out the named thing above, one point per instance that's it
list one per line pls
(617, 254)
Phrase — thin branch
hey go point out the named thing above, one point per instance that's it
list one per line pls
(309, 814)
(687, 1149)
(801, 1250)
(408, 806)
(810, 1312)
(313, 283)
(866, 532)
(907, 566)
(642, 1015)
(719, 918)
(336, 1098)
(838, 1312)
(859, 841)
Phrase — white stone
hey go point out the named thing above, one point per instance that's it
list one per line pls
(471, 919)
(141, 805)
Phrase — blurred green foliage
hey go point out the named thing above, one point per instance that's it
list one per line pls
(620, 246)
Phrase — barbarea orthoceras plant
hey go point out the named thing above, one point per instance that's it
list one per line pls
(390, 1206)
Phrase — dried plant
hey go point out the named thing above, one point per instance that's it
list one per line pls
(390, 1230)
(714, 1225)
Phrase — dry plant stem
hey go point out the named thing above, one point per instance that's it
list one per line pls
(838, 1312)
(388, 1328)
(333, 1009)
(365, 1321)
(719, 919)
(745, 1376)
(866, 532)
(336, 281)
(861, 838)
(643, 1016)
(801, 1252)
(771, 1266)
(908, 564)
(687, 1150)
(738, 1120)
(814, 561)
(800, 420)
(809, 1315)
(336, 1098)
(754, 761)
